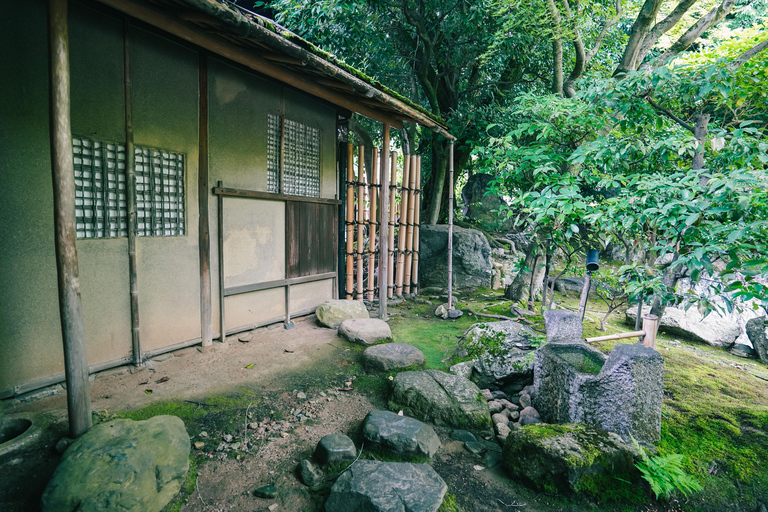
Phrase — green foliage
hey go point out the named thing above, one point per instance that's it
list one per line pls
(665, 473)
(449, 504)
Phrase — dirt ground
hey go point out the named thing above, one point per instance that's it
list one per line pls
(277, 368)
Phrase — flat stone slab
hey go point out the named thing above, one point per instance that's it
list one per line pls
(365, 331)
(563, 326)
(400, 434)
(392, 356)
(335, 448)
(122, 465)
(333, 312)
(441, 398)
(387, 487)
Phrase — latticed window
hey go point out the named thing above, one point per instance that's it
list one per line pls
(300, 145)
(100, 190)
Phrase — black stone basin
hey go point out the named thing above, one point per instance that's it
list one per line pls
(580, 358)
(12, 428)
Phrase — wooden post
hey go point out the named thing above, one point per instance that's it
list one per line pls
(222, 331)
(417, 207)
(360, 218)
(409, 225)
(392, 186)
(130, 195)
(203, 227)
(450, 227)
(350, 219)
(584, 294)
(403, 229)
(373, 224)
(650, 326)
(384, 246)
(63, 175)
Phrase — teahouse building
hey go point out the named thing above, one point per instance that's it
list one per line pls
(200, 135)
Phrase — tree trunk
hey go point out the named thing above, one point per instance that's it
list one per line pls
(700, 132)
(438, 178)
(637, 34)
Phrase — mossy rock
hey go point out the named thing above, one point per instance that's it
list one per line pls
(567, 458)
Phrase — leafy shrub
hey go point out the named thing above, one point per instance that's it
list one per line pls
(665, 473)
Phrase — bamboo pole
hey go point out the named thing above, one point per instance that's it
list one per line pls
(450, 228)
(409, 225)
(360, 218)
(373, 224)
(350, 219)
(204, 230)
(417, 207)
(384, 269)
(63, 176)
(647, 335)
(392, 186)
(403, 229)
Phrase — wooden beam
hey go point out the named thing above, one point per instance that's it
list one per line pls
(130, 178)
(203, 227)
(267, 196)
(63, 175)
(236, 53)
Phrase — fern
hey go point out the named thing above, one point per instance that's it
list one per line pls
(665, 473)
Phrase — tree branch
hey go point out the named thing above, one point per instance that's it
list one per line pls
(668, 113)
(662, 28)
(744, 57)
(637, 34)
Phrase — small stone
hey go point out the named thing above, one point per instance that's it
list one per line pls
(499, 418)
(221, 447)
(273, 507)
(199, 445)
(495, 406)
(63, 444)
(348, 384)
(235, 446)
(227, 438)
(335, 448)
(268, 492)
(474, 447)
(463, 436)
(311, 474)
(503, 430)
(492, 459)
(513, 415)
(499, 395)
(487, 394)
(529, 416)
(509, 405)
(301, 395)
(204, 434)
(525, 400)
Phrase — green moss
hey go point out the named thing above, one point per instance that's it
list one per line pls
(606, 488)
(187, 487)
(183, 410)
(449, 504)
(372, 385)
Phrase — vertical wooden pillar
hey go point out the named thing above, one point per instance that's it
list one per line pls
(417, 219)
(402, 231)
(410, 216)
(384, 246)
(350, 220)
(220, 211)
(203, 228)
(63, 175)
(373, 224)
(130, 194)
(450, 227)
(392, 185)
(360, 219)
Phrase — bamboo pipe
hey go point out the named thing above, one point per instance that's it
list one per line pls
(65, 234)
(372, 224)
(409, 226)
(648, 334)
(350, 219)
(403, 229)
(384, 270)
(391, 237)
(417, 208)
(360, 218)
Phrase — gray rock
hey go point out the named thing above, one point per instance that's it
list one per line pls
(441, 398)
(121, 465)
(562, 456)
(474, 447)
(463, 435)
(509, 405)
(375, 486)
(392, 356)
(365, 331)
(529, 416)
(572, 284)
(513, 415)
(502, 431)
(745, 351)
(333, 312)
(487, 393)
(575, 383)
(495, 406)
(472, 266)
(462, 369)
(505, 353)
(492, 459)
(525, 400)
(400, 434)
(499, 418)
(758, 336)
(311, 474)
(268, 492)
(335, 448)
(499, 395)
(563, 326)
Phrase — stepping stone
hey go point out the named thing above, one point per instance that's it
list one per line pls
(400, 434)
(387, 487)
(333, 312)
(335, 448)
(392, 356)
(365, 331)
(441, 398)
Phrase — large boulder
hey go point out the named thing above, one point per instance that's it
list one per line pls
(576, 383)
(376, 486)
(400, 434)
(365, 331)
(715, 330)
(758, 336)
(333, 312)
(441, 398)
(482, 206)
(503, 353)
(472, 266)
(392, 356)
(566, 458)
(121, 465)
